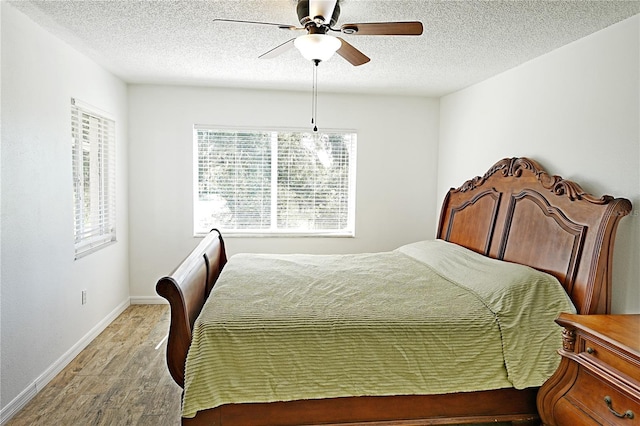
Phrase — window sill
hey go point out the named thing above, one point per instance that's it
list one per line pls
(235, 234)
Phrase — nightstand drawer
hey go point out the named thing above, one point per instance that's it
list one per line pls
(591, 348)
(603, 402)
(565, 413)
(598, 379)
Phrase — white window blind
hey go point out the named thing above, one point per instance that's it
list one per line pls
(93, 157)
(274, 182)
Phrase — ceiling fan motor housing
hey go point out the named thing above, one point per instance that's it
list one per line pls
(320, 22)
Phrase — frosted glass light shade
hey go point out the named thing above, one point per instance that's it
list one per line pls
(317, 47)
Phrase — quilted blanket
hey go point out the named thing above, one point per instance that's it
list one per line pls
(428, 318)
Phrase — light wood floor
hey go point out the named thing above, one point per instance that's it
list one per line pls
(119, 379)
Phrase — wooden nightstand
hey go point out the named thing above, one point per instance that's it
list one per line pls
(598, 380)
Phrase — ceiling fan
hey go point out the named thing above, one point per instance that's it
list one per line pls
(318, 18)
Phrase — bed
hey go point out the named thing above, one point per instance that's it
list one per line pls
(514, 217)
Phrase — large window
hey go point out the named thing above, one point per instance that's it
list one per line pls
(93, 156)
(274, 182)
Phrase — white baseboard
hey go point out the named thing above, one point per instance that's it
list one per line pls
(37, 385)
(148, 300)
(18, 402)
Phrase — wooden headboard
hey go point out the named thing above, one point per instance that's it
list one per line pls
(519, 213)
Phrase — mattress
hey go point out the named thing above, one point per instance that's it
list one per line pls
(428, 318)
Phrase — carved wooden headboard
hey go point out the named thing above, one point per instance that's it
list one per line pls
(519, 213)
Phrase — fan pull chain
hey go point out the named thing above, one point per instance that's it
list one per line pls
(314, 99)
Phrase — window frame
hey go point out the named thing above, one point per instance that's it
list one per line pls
(97, 229)
(347, 232)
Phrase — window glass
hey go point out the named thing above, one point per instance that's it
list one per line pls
(274, 182)
(93, 158)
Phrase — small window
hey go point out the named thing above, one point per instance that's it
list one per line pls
(274, 182)
(94, 195)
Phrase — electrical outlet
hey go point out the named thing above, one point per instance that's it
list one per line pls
(84, 297)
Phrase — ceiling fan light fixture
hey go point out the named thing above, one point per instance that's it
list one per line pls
(317, 47)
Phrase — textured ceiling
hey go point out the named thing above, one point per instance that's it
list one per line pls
(177, 42)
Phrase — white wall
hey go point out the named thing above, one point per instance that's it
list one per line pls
(42, 318)
(576, 111)
(397, 154)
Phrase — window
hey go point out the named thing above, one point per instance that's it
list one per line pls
(94, 195)
(274, 182)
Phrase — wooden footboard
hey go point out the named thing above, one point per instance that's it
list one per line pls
(186, 289)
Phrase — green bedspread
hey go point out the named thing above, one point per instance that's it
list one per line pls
(428, 318)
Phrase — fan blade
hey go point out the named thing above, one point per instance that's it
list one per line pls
(351, 54)
(281, 26)
(384, 28)
(278, 50)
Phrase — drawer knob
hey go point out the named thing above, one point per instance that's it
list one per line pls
(627, 414)
(590, 350)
